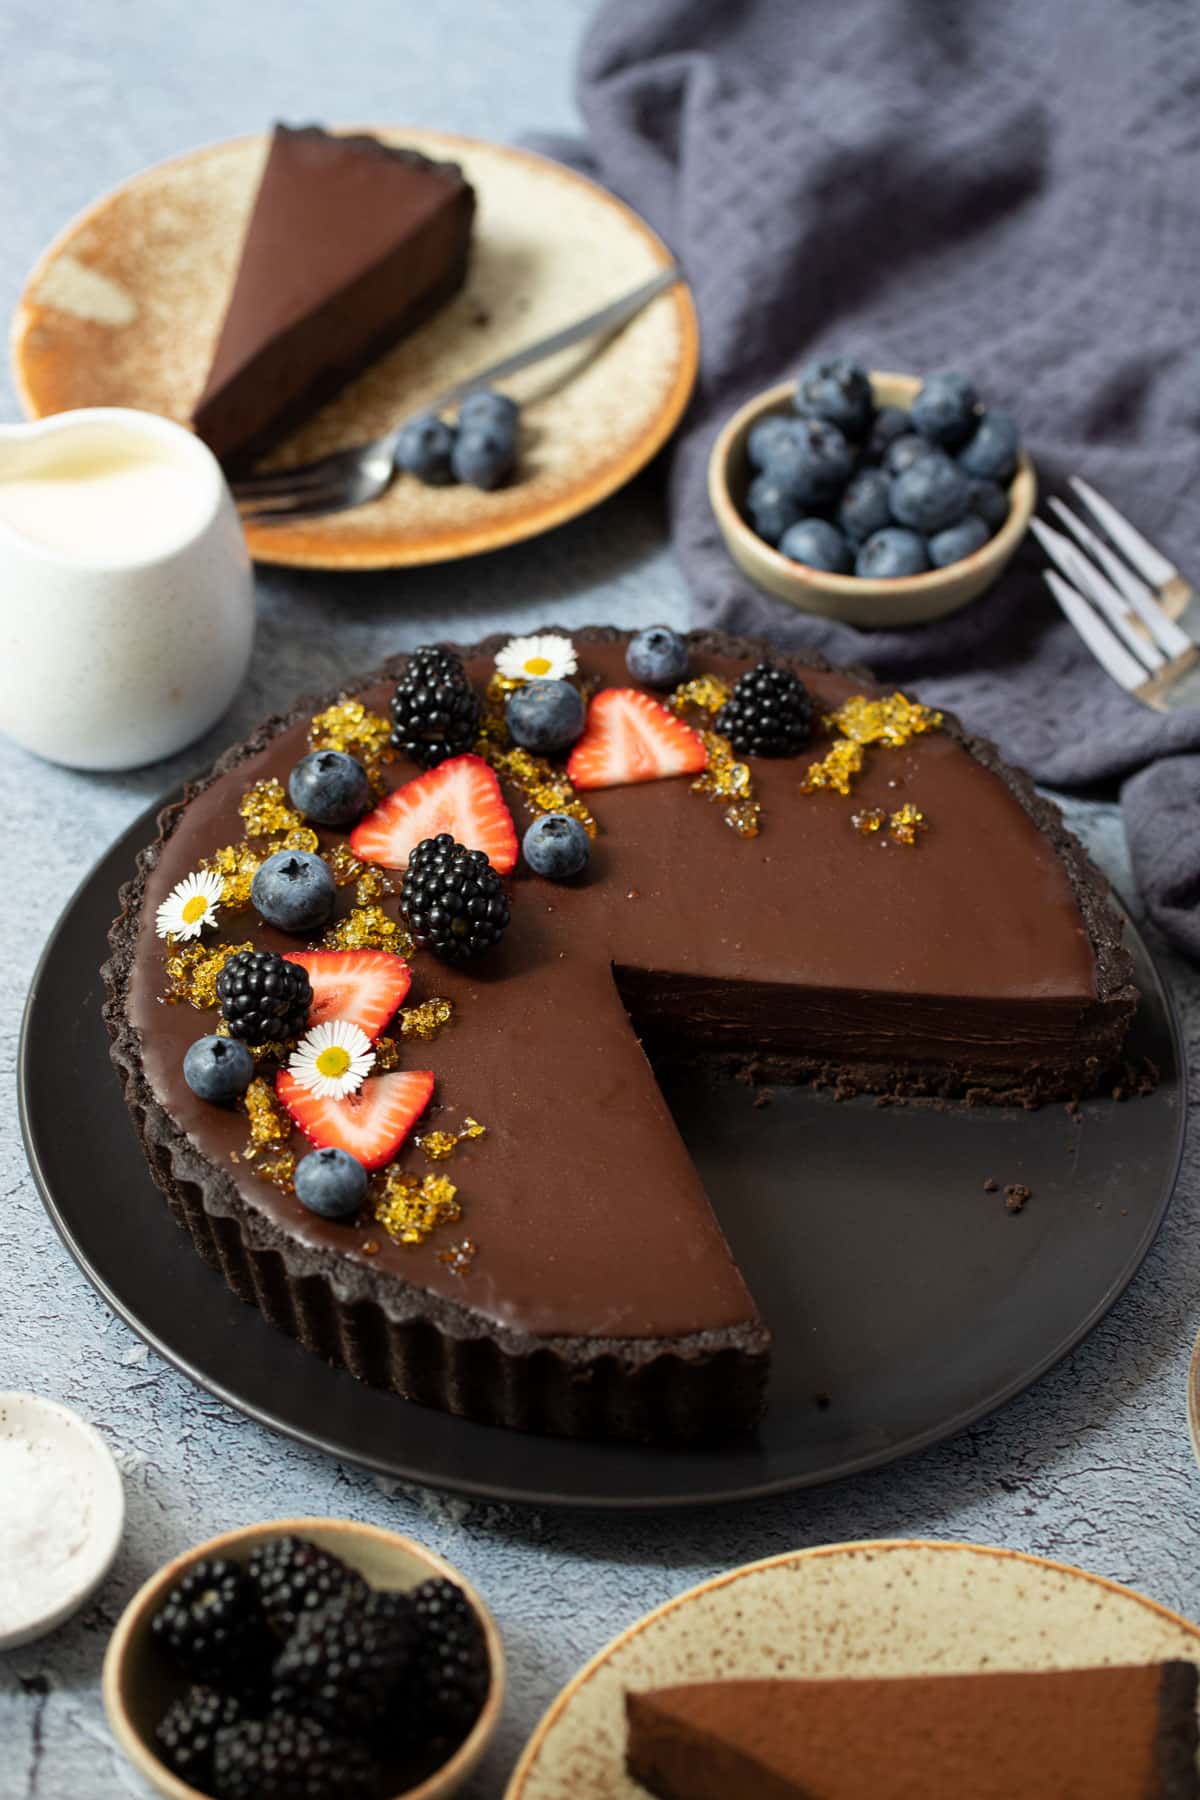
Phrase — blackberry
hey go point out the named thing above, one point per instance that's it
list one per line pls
(453, 1672)
(285, 1758)
(768, 714)
(344, 1661)
(435, 710)
(211, 1624)
(294, 1576)
(263, 997)
(453, 899)
(185, 1735)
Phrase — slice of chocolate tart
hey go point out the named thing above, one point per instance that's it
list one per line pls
(934, 929)
(351, 244)
(1066, 1734)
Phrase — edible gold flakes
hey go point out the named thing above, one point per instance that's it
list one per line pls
(237, 865)
(269, 1124)
(724, 777)
(906, 824)
(439, 1146)
(372, 885)
(892, 720)
(369, 928)
(192, 972)
(271, 1051)
(279, 1170)
(836, 769)
(708, 692)
(543, 787)
(869, 820)
(459, 1257)
(265, 810)
(425, 1021)
(350, 727)
(387, 1055)
(409, 1207)
(300, 837)
(343, 864)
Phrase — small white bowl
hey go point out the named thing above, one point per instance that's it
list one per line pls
(83, 1461)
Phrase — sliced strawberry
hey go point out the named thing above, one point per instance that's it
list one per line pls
(630, 737)
(461, 796)
(365, 986)
(371, 1124)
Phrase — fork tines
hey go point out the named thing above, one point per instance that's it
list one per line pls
(1116, 602)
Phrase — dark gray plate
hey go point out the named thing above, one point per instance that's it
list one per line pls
(905, 1301)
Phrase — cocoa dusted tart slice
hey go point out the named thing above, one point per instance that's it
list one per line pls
(578, 1281)
(1066, 1734)
(351, 245)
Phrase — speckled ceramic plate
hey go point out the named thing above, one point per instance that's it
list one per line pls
(124, 307)
(869, 1609)
(1193, 1398)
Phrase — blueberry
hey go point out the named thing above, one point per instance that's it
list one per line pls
(890, 554)
(989, 500)
(818, 544)
(774, 429)
(864, 505)
(485, 453)
(813, 464)
(556, 846)
(487, 406)
(931, 493)
(329, 788)
(331, 1183)
(991, 451)
(544, 716)
(772, 507)
(218, 1068)
(957, 541)
(424, 449)
(890, 423)
(837, 390)
(944, 410)
(904, 451)
(657, 657)
(294, 890)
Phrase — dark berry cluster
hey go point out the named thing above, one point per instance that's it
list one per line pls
(435, 710)
(453, 899)
(881, 493)
(263, 997)
(768, 713)
(308, 1684)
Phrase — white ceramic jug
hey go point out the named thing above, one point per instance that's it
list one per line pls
(126, 593)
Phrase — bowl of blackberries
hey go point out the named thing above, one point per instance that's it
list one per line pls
(873, 498)
(309, 1659)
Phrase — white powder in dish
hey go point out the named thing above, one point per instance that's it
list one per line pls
(45, 1520)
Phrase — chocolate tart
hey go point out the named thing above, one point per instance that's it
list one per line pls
(351, 245)
(985, 961)
(1107, 1733)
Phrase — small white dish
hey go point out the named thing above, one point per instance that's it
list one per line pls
(81, 1461)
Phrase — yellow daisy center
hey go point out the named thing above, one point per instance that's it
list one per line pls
(194, 909)
(333, 1062)
(537, 665)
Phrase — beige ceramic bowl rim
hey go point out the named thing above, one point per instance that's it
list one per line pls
(996, 551)
(149, 1765)
(1193, 1398)
(814, 1553)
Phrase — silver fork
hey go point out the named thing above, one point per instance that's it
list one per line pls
(1134, 610)
(354, 476)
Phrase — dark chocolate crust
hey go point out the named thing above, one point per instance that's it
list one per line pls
(393, 1334)
(1177, 1737)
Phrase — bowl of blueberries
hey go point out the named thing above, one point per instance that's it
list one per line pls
(873, 498)
(315, 1657)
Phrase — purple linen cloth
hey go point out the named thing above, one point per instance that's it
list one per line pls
(1004, 187)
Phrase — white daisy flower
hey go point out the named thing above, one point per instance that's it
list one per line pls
(546, 657)
(190, 906)
(332, 1060)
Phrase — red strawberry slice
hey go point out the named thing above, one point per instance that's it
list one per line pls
(371, 1124)
(461, 796)
(630, 737)
(365, 986)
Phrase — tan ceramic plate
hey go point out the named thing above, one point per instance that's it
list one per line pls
(1194, 1398)
(885, 1608)
(124, 307)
